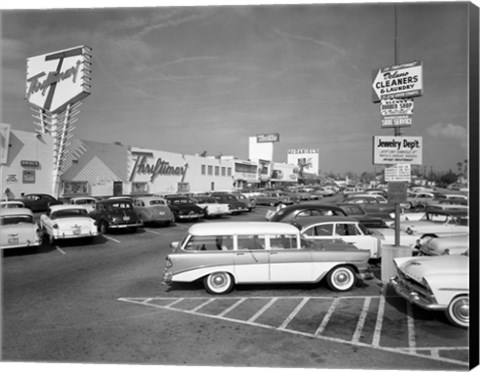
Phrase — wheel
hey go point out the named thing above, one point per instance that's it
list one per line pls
(218, 283)
(103, 227)
(341, 279)
(409, 206)
(458, 311)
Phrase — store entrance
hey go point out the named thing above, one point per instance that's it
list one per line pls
(117, 188)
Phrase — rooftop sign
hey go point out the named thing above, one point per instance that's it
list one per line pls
(270, 137)
(59, 78)
(399, 81)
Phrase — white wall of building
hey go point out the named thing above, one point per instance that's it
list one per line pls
(166, 172)
(29, 167)
(259, 150)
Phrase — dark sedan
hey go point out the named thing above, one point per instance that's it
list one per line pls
(291, 212)
(356, 211)
(236, 206)
(39, 202)
(184, 208)
(115, 214)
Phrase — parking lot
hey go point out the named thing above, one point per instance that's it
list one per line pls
(78, 302)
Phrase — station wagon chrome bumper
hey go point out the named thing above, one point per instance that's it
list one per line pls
(125, 225)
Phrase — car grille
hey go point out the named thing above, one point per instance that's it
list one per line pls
(414, 286)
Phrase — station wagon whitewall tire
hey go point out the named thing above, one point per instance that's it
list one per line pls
(341, 279)
(458, 311)
(103, 227)
(218, 283)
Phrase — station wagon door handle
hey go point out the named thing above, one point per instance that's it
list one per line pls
(240, 253)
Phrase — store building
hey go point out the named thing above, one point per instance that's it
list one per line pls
(28, 165)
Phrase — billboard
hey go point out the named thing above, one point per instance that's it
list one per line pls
(307, 160)
(400, 81)
(59, 78)
(397, 149)
(4, 142)
(270, 137)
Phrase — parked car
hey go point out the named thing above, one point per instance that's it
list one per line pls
(374, 205)
(416, 198)
(298, 195)
(4, 204)
(67, 222)
(154, 210)
(291, 212)
(436, 283)
(235, 205)
(39, 202)
(437, 223)
(273, 198)
(114, 214)
(86, 201)
(348, 229)
(211, 206)
(380, 192)
(184, 208)
(19, 229)
(223, 254)
(357, 211)
(448, 245)
(324, 191)
(248, 200)
(353, 190)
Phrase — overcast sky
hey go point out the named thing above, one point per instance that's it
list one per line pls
(193, 79)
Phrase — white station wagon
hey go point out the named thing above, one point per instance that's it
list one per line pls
(67, 222)
(226, 253)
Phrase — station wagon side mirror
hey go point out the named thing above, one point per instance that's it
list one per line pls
(174, 245)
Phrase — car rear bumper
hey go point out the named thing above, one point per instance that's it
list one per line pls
(125, 225)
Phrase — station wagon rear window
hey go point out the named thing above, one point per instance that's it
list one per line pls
(210, 243)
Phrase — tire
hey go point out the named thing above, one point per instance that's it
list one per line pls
(409, 206)
(341, 279)
(458, 311)
(218, 283)
(103, 227)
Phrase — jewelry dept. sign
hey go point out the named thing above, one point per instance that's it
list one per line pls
(400, 81)
(397, 149)
(56, 79)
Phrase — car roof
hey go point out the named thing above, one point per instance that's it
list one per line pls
(83, 198)
(60, 207)
(312, 205)
(115, 200)
(15, 211)
(148, 198)
(243, 227)
(307, 221)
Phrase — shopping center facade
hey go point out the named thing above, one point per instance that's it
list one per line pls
(103, 169)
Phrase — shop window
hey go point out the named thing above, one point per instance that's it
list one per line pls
(75, 188)
(139, 187)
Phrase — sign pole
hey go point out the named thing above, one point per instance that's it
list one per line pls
(397, 133)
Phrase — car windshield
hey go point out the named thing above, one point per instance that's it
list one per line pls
(181, 201)
(69, 213)
(157, 202)
(15, 220)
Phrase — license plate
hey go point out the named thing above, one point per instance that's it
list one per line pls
(12, 240)
(161, 213)
(126, 218)
(77, 231)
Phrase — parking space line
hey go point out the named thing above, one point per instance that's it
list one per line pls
(327, 316)
(226, 311)
(378, 324)
(195, 309)
(60, 250)
(412, 343)
(361, 321)
(293, 313)
(428, 352)
(152, 231)
(262, 310)
(112, 239)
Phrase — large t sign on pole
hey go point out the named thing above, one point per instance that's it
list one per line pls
(56, 84)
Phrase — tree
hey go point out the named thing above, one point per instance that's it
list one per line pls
(449, 177)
